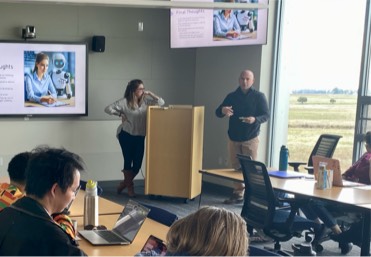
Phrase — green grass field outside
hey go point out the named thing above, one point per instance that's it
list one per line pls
(307, 121)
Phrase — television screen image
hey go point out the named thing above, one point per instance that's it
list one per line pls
(207, 27)
(43, 78)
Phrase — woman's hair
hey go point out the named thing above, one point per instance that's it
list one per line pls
(210, 231)
(39, 58)
(367, 138)
(130, 91)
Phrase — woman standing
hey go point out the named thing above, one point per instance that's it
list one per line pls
(132, 109)
(39, 86)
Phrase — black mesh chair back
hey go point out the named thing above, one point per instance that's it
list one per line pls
(259, 201)
(325, 147)
(260, 208)
(161, 215)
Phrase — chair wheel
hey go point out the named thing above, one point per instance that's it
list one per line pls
(318, 248)
(309, 237)
(345, 247)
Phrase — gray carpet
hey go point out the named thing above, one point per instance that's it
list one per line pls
(212, 195)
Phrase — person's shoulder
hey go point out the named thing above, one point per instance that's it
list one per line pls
(257, 92)
(4, 185)
(367, 156)
(31, 75)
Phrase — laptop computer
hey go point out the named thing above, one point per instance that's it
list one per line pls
(126, 228)
(334, 165)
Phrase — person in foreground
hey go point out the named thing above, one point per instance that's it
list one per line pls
(210, 231)
(27, 227)
(11, 192)
(246, 109)
(132, 109)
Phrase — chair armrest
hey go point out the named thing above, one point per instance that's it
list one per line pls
(296, 165)
(309, 169)
(295, 203)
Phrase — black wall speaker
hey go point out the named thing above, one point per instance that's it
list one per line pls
(98, 44)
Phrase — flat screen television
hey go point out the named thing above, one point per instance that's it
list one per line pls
(64, 78)
(191, 28)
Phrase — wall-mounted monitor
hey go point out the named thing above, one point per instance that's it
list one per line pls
(207, 27)
(43, 78)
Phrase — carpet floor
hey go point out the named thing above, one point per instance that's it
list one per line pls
(212, 195)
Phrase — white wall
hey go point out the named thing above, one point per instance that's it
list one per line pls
(181, 76)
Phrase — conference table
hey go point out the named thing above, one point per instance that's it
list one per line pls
(105, 207)
(357, 198)
(69, 102)
(108, 214)
(149, 227)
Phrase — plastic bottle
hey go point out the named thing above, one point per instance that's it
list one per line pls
(91, 204)
(284, 158)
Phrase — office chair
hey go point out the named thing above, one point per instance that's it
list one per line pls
(325, 147)
(260, 206)
(161, 215)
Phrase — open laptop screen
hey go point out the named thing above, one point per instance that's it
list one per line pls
(131, 220)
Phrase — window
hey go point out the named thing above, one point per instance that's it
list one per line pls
(319, 58)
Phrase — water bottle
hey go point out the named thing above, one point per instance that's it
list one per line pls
(284, 158)
(91, 204)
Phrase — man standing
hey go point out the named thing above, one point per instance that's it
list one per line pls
(247, 109)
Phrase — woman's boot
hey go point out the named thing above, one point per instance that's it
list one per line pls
(123, 184)
(130, 184)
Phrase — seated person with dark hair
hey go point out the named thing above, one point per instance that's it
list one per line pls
(52, 177)
(360, 170)
(11, 192)
(317, 211)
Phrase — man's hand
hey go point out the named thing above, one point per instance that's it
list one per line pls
(249, 120)
(227, 110)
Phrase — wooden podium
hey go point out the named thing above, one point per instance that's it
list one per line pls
(174, 145)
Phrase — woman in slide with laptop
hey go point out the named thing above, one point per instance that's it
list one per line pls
(132, 109)
(39, 86)
(226, 24)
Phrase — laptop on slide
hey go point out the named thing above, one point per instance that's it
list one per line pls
(126, 228)
(333, 164)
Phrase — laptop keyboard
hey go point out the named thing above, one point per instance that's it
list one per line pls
(109, 236)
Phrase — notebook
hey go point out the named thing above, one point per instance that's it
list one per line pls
(334, 165)
(55, 104)
(285, 174)
(126, 228)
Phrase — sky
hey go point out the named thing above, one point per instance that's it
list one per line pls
(322, 44)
